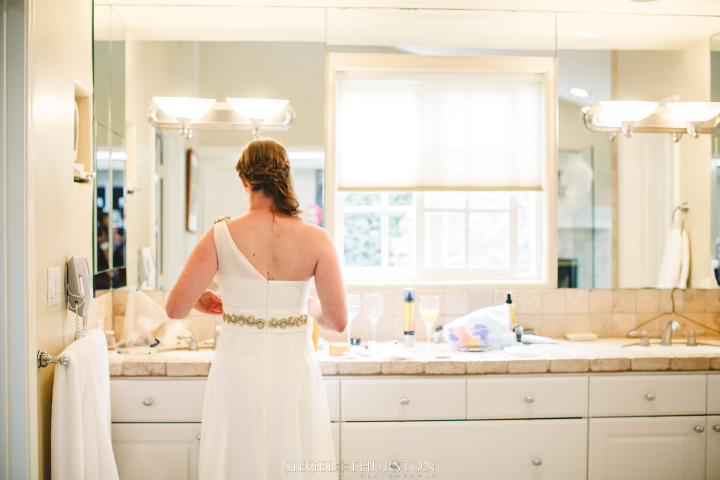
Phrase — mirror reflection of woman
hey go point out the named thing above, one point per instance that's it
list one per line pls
(265, 405)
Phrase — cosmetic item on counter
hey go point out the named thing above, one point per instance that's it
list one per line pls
(409, 318)
(315, 333)
(511, 310)
(355, 341)
(337, 349)
(437, 335)
(530, 338)
(110, 336)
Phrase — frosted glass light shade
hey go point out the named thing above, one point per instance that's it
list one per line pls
(629, 111)
(694, 111)
(257, 108)
(184, 107)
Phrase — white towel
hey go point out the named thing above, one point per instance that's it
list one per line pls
(80, 443)
(389, 350)
(675, 264)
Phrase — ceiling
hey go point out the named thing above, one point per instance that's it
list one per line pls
(580, 32)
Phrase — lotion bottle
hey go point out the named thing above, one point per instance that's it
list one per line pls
(409, 318)
(511, 310)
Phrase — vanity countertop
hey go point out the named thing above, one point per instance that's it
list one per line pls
(603, 355)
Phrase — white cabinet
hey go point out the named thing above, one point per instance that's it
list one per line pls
(712, 454)
(156, 451)
(537, 449)
(647, 448)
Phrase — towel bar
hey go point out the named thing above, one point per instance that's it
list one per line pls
(44, 358)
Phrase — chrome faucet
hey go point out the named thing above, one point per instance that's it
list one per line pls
(193, 345)
(672, 326)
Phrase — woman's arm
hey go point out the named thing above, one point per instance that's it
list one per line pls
(330, 312)
(192, 285)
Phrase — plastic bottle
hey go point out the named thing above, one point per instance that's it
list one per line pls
(511, 310)
(409, 319)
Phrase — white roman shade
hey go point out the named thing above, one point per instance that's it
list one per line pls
(480, 126)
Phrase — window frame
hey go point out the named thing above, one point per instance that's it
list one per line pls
(547, 223)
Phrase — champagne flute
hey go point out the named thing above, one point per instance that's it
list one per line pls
(373, 309)
(353, 307)
(429, 311)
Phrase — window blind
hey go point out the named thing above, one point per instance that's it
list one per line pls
(439, 130)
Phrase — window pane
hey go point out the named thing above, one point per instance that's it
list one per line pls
(401, 236)
(399, 199)
(445, 199)
(444, 240)
(489, 200)
(489, 240)
(527, 241)
(362, 240)
(361, 198)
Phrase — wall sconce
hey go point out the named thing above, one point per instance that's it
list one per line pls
(675, 118)
(184, 109)
(222, 116)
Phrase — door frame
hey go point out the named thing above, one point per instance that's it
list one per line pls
(19, 434)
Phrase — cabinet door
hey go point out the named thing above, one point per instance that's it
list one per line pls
(492, 449)
(713, 447)
(156, 451)
(647, 448)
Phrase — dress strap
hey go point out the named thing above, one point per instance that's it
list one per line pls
(220, 219)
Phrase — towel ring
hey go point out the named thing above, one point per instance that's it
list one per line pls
(44, 358)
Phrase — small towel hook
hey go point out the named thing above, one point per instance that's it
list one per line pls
(683, 208)
(44, 358)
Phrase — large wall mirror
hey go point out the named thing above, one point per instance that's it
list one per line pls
(615, 199)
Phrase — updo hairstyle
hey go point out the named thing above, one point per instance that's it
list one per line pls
(264, 165)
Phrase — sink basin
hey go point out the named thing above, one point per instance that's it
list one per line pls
(204, 355)
(675, 348)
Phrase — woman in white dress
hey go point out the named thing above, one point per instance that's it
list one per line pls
(265, 414)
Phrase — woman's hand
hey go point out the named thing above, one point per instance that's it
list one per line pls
(210, 302)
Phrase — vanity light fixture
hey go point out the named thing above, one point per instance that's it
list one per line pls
(257, 110)
(694, 114)
(167, 113)
(184, 109)
(675, 118)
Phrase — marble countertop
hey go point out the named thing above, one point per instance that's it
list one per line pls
(603, 355)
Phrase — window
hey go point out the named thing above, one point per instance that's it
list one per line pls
(437, 168)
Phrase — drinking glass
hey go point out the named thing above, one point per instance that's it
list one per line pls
(373, 309)
(353, 307)
(429, 311)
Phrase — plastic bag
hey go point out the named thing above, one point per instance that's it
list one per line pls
(484, 329)
(143, 318)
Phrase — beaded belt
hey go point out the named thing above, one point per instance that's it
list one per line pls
(260, 323)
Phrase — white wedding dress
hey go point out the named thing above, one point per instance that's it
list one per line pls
(265, 407)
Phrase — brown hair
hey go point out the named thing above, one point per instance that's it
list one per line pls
(264, 165)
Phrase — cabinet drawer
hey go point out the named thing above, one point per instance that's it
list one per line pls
(527, 397)
(332, 390)
(647, 395)
(416, 399)
(166, 400)
(713, 394)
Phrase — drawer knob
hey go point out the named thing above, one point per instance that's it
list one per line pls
(650, 397)
(699, 428)
(537, 462)
(716, 428)
(147, 402)
(404, 401)
(198, 437)
(529, 399)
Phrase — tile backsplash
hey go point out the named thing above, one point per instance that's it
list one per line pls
(551, 312)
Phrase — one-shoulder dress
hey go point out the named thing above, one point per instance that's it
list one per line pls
(265, 414)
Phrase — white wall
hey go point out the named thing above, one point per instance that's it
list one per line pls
(654, 75)
(63, 208)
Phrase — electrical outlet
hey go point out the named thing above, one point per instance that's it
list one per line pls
(54, 286)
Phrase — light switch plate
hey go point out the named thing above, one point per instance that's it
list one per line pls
(54, 286)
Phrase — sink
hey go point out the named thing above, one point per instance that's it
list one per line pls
(204, 355)
(675, 348)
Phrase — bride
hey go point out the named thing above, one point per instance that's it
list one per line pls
(265, 411)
